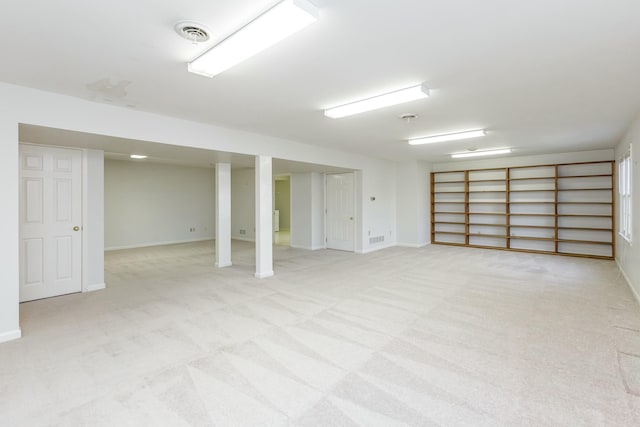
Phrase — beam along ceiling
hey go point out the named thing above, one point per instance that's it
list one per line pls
(543, 76)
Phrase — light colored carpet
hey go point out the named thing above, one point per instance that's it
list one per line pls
(419, 337)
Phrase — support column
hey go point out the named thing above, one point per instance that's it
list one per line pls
(223, 215)
(264, 217)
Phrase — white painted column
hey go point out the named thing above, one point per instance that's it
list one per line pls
(264, 217)
(223, 215)
(9, 282)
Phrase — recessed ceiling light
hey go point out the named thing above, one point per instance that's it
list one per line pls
(379, 101)
(277, 23)
(138, 156)
(481, 153)
(448, 137)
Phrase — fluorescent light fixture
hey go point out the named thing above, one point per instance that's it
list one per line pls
(380, 101)
(481, 153)
(138, 156)
(448, 137)
(277, 23)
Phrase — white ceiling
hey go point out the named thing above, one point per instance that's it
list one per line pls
(541, 76)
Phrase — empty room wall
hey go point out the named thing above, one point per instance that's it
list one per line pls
(413, 195)
(243, 212)
(150, 204)
(627, 254)
(282, 195)
(307, 211)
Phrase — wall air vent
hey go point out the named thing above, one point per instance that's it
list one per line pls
(376, 239)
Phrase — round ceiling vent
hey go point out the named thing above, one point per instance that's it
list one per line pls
(192, 31)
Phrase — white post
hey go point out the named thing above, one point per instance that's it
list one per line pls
(264, 218)
(223, 215)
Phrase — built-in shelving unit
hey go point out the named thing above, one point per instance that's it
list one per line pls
(565, 209)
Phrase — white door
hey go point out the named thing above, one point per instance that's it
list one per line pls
(340, 212)
(50, 222)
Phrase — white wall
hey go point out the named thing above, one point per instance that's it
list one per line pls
(93, 220)
(628, 255)
(35, 107)
(151, 204)
(282, 202)
(9, 226)
(413, 204)
(379, 215)
(243, 202)
(543, 159)
(301, 205)
(317, 211)
(307, 211)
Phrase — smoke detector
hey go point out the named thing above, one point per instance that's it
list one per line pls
(192, 31)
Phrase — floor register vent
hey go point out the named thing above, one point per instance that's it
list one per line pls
(376, 239)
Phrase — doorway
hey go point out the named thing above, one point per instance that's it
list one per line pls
(50, 222)
(282, 211)
(340, 213)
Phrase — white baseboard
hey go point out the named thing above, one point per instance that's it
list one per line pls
(377, 248)
(413, 245)
(243, 239)
(95, 287)
(10, 335)
(263, 275)
(308, 248)
(149, 245)
(626, 278)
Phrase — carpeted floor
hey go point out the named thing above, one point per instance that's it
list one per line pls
(418, 337)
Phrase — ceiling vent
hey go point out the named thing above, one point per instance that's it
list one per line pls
(192, 31)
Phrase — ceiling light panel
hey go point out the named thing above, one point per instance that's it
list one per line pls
(138, 156)
(448, 137)
(282, 20)
(379, 101)
(481, 153)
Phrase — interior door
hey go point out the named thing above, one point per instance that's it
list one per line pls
(50, 222)
(340, 212)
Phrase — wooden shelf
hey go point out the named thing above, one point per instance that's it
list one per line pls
(553, 221)
(542, 239)
(533, 203)
(548, 227)
(532, 178)
(531, 191)
(532, 214)
(585, 189)
(486, 203)
(487, 213)
(585, 228)
(450, 232)
(584, 203)
(471, 181)
(585, 215)
(583, 176)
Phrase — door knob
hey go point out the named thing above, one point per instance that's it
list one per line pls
(76, 228)
(351, 218)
